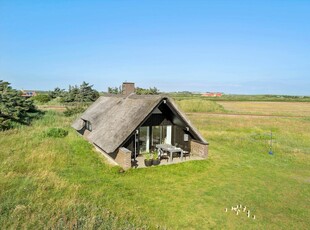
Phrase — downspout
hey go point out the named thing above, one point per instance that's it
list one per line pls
(136, 140)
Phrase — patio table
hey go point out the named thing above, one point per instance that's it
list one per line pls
(171, 149)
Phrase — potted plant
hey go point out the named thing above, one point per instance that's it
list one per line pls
(156, 160)
(147, 159)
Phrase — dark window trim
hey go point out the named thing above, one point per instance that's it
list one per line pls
(88, 125)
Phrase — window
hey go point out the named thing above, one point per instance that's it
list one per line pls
(88, 125)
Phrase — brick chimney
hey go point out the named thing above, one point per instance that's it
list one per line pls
(128, 88)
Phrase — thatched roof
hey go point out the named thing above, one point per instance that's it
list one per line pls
(115, 118)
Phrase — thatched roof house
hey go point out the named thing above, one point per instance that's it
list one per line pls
(122, 126)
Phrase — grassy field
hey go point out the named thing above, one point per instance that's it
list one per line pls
(236, 97)
(267, 108)
(197, 105)
(63, 183)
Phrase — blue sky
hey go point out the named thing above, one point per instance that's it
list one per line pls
(245, 47)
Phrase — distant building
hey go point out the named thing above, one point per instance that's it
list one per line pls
(212, 94)
(28, 93)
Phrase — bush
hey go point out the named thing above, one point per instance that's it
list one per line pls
(56, 132)
(72, 111)
(42, 98)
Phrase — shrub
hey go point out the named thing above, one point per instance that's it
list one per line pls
(147, 155)
(155, 155)
(42, 98)
(72, 111)
(56, 132)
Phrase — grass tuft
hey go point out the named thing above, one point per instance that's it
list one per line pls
(56, 132)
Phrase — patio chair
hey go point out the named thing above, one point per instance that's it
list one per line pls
(175, 154)
(163, 155)
(186, 154)
(186, 151)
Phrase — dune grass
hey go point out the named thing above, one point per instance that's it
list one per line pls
(61, 183)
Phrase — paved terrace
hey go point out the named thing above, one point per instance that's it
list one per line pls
(140, 161)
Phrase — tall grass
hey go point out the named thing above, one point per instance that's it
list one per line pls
(36, 190)
(198, 105)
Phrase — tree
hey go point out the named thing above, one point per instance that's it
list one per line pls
(57, 93)
(114, 90)
(14, 107)
(82, 93)
(87, 93)
(151, 91)
(72, 94)
(154, 90)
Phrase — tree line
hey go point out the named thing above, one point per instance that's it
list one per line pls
(138, 90)
(85, 93)
(16, 109)
(82, 93)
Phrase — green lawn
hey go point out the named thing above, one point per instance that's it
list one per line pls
(63, 183)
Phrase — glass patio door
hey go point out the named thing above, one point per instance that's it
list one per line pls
(161, 135)
(144, 139)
